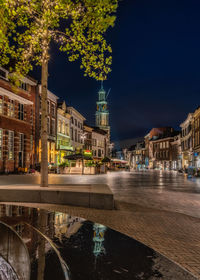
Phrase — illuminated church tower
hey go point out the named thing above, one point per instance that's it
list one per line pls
(102, 113)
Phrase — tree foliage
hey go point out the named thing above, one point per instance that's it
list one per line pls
(78, 26)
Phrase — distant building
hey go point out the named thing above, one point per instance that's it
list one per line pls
(196, 137)
(51, 126)
(76, 128)
(99, 143)
(95, 141)
(159, 146)
(63, 145)
(186, 141)
(88, 137)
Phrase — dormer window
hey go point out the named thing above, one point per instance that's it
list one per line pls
(3, 73)
(24, 86)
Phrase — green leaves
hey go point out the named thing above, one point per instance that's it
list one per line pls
(77, 26)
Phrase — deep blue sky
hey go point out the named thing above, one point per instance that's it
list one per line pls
(155, 79)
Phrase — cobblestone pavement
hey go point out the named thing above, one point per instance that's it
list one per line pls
(160, 209)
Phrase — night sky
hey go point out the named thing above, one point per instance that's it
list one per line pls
(155, 78)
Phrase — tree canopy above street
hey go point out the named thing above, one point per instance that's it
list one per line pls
(78, 27)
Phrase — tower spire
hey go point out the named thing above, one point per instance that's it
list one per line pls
(102, 84)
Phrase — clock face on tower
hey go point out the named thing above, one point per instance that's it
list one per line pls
(101, 107)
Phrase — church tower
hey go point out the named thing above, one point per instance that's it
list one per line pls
(102, 113)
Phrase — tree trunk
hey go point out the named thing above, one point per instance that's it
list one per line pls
(44, 135)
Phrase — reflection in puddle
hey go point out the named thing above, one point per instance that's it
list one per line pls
(6, 271)
(39, 245)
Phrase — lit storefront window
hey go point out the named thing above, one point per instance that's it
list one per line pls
(53, 152)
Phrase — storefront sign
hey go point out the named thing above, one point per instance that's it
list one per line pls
(87, 152)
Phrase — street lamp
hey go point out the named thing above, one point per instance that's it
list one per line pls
(83, 137)
(111, 146)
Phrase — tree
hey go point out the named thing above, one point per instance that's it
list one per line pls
(78, 26)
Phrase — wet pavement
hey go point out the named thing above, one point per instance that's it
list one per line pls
(159, 209)
(44, 245)
(161, 190)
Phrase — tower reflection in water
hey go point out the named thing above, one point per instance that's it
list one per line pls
(98, 239)
(26, 246)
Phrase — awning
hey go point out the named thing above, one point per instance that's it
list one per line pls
(77, 156)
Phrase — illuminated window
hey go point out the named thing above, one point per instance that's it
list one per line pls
(11, 108)
(67, 129)
(63, 127)
(59, 126)
(10, 144)
(1, 104)
(1, 143)
(161, 145)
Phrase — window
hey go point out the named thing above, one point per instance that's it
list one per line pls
(48, 106)
(67, 129)
(53, 110)
(1, 104)
(3, 74)
(99, 153)
(20, 111)
(53, 127)
(59, 126)
(31, 144)
(75, 122)
(167, 144)
(72, 119)
(75, 135)
(10, 144)
(48, 125)
(72, 133)
(63, 127)
(31, 116)
(11, 108)
(40, 121)
(1, 143)
(21, 142)
(161, 145)
(24, 86)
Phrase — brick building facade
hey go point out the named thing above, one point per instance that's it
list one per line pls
(17, 124)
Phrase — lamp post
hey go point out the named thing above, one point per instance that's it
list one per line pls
(111, 146)
(83, 137)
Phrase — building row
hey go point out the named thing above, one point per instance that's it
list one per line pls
(68, 133)
(167, 149)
